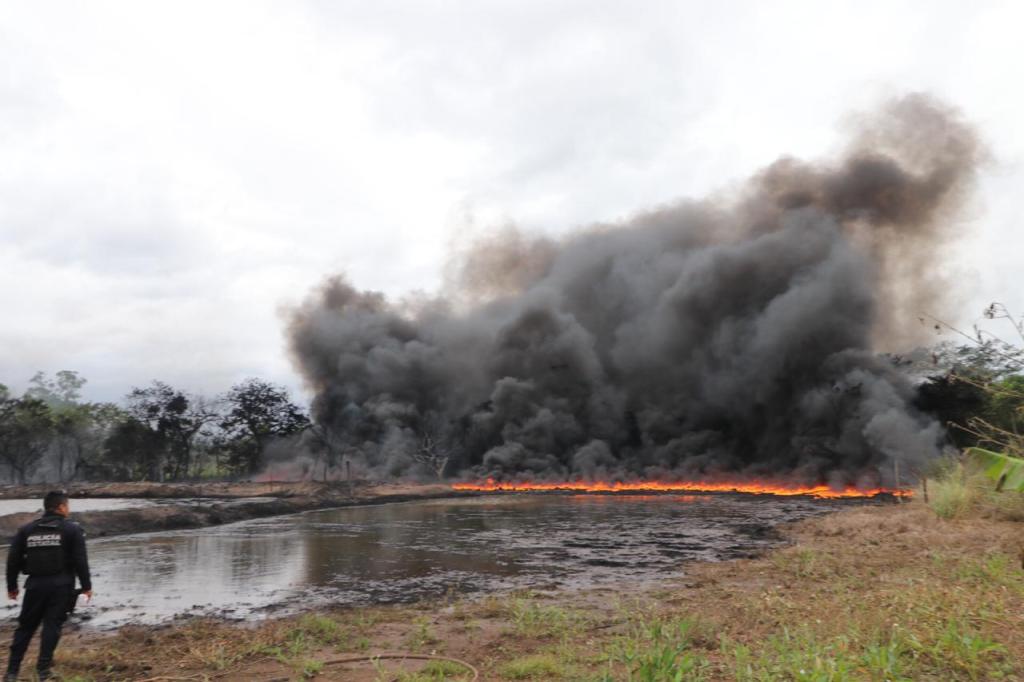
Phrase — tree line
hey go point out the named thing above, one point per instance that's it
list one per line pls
(157, 433)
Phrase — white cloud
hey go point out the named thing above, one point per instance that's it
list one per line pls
(171, 173)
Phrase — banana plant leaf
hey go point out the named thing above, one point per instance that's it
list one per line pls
(1000, 467)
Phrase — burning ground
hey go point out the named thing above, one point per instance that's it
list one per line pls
(733, 337)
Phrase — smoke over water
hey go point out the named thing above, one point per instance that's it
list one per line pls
(705, 339)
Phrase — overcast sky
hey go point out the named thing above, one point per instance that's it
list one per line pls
(172, 174)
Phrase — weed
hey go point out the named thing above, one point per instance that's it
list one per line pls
(796, 655)
(322, 629)
(885, 661)
(421, 636)
(530, 618)
(659, 650)
(213, 655)
(996, 568)
(802, 563)
(437, 671)
(963, 649)
(1007, 505)
(951, 494)
(366, 621)
(273, 651)
(491, 607)
(536, 667)
(962, 490)
(311, 668)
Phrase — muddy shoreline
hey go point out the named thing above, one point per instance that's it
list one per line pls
(211, 504)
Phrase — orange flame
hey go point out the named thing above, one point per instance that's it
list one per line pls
(756, 488)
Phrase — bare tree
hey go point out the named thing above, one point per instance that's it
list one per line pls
(327, 444)
(439, 442)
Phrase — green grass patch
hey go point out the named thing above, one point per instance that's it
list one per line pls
(322, 629)
(953, 494)
(656, 650)
(535, 667)
(954, 650)
(309, 669)
(421, 636)
(961, 489)
(438, 671)
(530, 618)
(796, 655)
(961, 649)
(995, 568)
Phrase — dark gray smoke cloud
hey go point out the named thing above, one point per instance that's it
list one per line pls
(733, 336)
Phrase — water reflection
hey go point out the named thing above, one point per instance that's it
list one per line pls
(409, 551)
(149, 577)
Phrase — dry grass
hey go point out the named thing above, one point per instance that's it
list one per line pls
(878, 593)
(963, 491)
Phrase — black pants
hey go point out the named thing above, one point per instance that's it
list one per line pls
(46, 605)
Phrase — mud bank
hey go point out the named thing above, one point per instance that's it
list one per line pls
(210, 504)
(226, 490)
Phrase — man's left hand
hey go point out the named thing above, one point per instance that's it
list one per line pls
(13, 596)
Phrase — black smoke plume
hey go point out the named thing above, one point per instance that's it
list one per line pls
(708, 338)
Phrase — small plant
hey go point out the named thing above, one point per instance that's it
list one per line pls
(884, 662)
(952, 494)
(366, 621)
(310, 669)
(962, 489)
(962, 649)
(530, 618)
(421, 636)
(803, 563)
(536, 667)
(322, 629)
(996, 568)
(273, 651)
(659, 650)
(437, 671)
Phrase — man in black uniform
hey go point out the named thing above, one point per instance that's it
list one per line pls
(51, 550)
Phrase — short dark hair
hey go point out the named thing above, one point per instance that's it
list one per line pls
(54, 499)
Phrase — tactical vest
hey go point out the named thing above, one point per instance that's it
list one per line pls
(44, 548)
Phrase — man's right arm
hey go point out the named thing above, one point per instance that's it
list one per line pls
(15, 560)
(80, 559)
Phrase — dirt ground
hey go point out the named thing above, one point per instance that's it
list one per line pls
(874, 593)
(284, 498)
